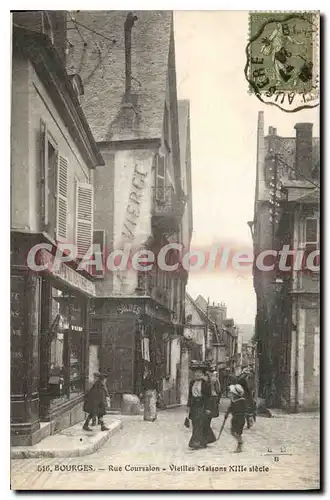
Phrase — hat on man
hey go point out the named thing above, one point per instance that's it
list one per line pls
(236, 389)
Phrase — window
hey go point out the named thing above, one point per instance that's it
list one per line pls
(99, 254)
(160, 178)
(53, 187)
(66, 375)
(312, 237)
(84, 217)
(48, 180)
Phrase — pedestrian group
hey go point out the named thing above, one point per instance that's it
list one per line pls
(202, 406)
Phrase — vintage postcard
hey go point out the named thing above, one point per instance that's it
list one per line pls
(165, 248)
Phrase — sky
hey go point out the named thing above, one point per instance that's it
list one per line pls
(210, 59)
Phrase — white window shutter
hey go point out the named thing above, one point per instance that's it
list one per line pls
(62, 199)
(84, 217)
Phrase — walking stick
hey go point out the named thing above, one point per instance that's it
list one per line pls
(222, 428)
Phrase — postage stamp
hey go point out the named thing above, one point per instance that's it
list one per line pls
(282, 59)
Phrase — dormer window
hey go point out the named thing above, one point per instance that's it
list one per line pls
(47, 26)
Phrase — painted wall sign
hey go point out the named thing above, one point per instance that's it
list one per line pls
(134, 200)
(67, 274)
(129, 308)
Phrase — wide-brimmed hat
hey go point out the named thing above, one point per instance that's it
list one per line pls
(198, 365)
(236, 389)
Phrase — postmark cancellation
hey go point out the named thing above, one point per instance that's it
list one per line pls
(282, 63)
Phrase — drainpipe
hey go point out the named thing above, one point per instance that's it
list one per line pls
(129, 23)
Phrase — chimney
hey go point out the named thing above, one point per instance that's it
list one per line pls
(304, 149)
(129, 23)
(272, 131)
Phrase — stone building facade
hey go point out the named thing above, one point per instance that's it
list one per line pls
(142, 195)
(53, 158)
(287, 213)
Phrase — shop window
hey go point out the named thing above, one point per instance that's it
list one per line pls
(66, 373)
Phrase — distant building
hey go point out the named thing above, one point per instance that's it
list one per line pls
(201, 342)
(287, 212)
(227, 337)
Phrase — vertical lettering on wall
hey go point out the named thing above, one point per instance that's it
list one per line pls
(133, 208)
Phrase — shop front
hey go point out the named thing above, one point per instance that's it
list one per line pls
(49, 350)
(130, 335)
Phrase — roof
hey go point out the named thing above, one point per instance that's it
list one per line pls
(201, 302)
(101, 65)
(286, 146)
(38, 48)
(200, 311)
(183, 115)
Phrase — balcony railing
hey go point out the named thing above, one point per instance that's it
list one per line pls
(167, 208)
(147, 286)
(165, 202)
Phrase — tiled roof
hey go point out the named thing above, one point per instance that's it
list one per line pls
(200, 311)
(101, 65)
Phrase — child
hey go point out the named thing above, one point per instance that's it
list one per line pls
(96, 376)
(237, 408)
(95, 402)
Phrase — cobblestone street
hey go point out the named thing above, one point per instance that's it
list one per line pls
(163, 444)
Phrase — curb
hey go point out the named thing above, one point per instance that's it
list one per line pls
(95, 442)
(171, 407)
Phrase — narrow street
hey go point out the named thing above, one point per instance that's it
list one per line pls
(163, 444)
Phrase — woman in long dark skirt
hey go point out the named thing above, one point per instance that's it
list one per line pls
(215, 398)
(199, 408)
